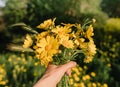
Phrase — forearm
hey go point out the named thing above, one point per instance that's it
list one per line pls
(44, 82)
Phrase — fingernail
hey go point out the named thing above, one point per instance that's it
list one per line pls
(74, 63)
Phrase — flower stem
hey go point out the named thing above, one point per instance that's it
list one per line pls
(64, 82)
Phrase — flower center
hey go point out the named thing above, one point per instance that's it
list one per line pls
(65, 43)
(48, 47)
(61, 32)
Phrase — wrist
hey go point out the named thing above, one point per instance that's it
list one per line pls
(44, 82)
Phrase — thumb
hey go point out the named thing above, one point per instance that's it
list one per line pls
(62, 69)
(69, 65)
(66, 67)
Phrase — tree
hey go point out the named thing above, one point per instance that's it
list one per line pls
(111, 7)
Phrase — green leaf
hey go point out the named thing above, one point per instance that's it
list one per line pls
(18, 24)
(25, 27)
(14, 47)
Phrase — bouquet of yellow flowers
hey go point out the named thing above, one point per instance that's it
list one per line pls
(58, 44)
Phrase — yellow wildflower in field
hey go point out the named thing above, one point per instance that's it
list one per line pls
(28, 41)
(88, 59)
(71, 81)
(80, 69)
(81, 84)
(93, 74)
(109, 65)
(76, 70)
(3, 80)
(76, 77)
(105, 85)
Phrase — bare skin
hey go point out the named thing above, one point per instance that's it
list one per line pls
(54, 74)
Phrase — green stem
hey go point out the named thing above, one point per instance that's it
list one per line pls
(64, 82)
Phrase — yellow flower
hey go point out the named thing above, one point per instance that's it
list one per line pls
(77, 79)
(42, 35)
(47, 24)
(46, 48)
(93, 74)
(71, 81)
(92, 47)
(81, 84)
(90, 52)
(76, 85)
(64, 40)
(98, 84)
(109, 65)
(85, 67)
(80, 69)
(45, 60)
(88, 59)
(60, 30)
(68, 25)
(28, 41)
(36, 63)
(89, 85)
(76, 70)
(94, 85)
(48, 45)
(82, 44)
(87, 77)
(3, 80)
(89, 32)
(75, 76)
(84, 78)
(105, 85)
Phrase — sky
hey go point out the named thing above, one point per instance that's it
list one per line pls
(2, 3)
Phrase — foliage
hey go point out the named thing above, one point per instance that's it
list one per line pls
(107, 59)
(34, 11)
(112, 26)
(82, 77)
(108, 55)
(46, 9)
(110, 51)
(31, 11)
(15, 11)
(111, 7)
(87, 9)
(20, 70)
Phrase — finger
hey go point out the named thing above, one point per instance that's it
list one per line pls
(64, 68)
(68, 72)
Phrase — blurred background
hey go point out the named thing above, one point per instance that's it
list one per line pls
(22, 70)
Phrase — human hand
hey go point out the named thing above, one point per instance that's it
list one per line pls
(54, 74)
